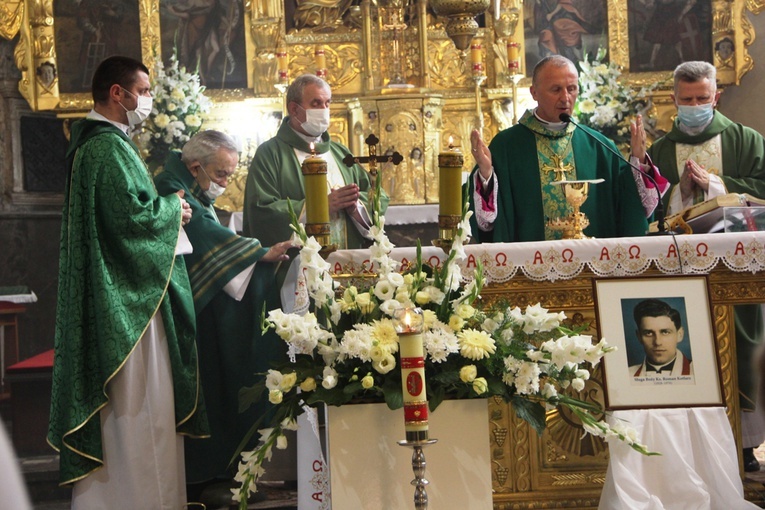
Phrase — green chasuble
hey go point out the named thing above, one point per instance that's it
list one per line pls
(526, 199)
(743, 171)
(117, 268)
(275, 176)
(232, 349)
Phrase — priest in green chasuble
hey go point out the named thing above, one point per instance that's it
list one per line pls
(275, 173)
(125, 381)
(706, 155)
(232, 279)
(511, 190)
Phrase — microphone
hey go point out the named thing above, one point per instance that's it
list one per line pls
(565, 117)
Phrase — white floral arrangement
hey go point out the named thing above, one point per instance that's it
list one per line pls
(606, 103)
(178, 106)
(347, 350)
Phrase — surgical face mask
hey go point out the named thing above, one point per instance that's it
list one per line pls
(316, 121)
(142, 109)
(215, 190)
(695, 116)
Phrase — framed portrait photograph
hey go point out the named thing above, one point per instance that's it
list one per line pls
(666, 352)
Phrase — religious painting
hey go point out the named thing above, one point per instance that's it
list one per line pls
(572, 28)
(666, 353)
(665, 33)
(88, 31)
(208, 36)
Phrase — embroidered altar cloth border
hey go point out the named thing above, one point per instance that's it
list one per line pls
(554, 260)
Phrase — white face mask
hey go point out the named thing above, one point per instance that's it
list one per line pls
(142, 109)
(215, 190)
(316, 121)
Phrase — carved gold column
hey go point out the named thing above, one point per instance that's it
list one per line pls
(35, 56)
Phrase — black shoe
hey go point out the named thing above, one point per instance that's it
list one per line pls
(751, 464)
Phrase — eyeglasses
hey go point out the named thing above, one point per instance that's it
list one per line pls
(221, 176)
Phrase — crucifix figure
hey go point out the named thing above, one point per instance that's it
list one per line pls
(558, 167)
(373, 159)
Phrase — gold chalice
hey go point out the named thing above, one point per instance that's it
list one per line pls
(574, 224)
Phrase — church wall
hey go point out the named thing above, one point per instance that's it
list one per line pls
(29, 234)
(739, 103)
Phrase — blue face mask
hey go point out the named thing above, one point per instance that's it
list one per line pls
(695, 116)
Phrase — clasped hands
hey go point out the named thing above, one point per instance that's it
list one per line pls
(185, 208)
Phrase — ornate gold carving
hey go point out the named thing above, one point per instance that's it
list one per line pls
(11, 17)
(446, 66)
(755, 6)
(320, 15)
(574, 479)
(148, 12)
(618, 39)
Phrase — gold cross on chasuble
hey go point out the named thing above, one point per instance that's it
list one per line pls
(558, 167)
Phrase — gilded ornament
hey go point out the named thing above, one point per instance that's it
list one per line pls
(461, 25)
(11, 16)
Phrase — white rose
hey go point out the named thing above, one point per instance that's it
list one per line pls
(468, 373)
(275, 396)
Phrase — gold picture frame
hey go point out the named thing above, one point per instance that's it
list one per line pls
(666, 349)
(37, 54)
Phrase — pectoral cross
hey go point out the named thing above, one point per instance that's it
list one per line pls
(558, 167)
(373, 159)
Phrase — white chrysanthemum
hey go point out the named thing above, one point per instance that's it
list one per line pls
(439, 342)
(587, 106)
(193, 121)
(475, 345)
(161, 120)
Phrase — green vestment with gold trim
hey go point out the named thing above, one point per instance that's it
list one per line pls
(523, 157)
(743, 171)
(232, 349)
(275, 177)
(117, 268)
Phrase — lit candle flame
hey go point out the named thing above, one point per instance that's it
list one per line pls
(451, 141)
(313, 151)
(407, 319)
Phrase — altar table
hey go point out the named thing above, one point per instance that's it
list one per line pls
(563, 467)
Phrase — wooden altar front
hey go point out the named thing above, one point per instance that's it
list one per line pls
(562, 468)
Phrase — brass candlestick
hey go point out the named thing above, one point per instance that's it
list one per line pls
(574, 224)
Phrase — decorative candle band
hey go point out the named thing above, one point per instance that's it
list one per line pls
(452, 159)
(449, 221)
(317, 229)
(478, 68)
(283, 75)
(411, 363)
(416, 413)
(514, 65)
(321, 73)
(313, 166)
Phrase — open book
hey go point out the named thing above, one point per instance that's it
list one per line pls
(709, 216)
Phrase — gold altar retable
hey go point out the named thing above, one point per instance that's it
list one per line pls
(392, 65)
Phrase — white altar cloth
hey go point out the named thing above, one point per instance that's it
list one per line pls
(697, 469)
(622, 256)
(556, 260)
